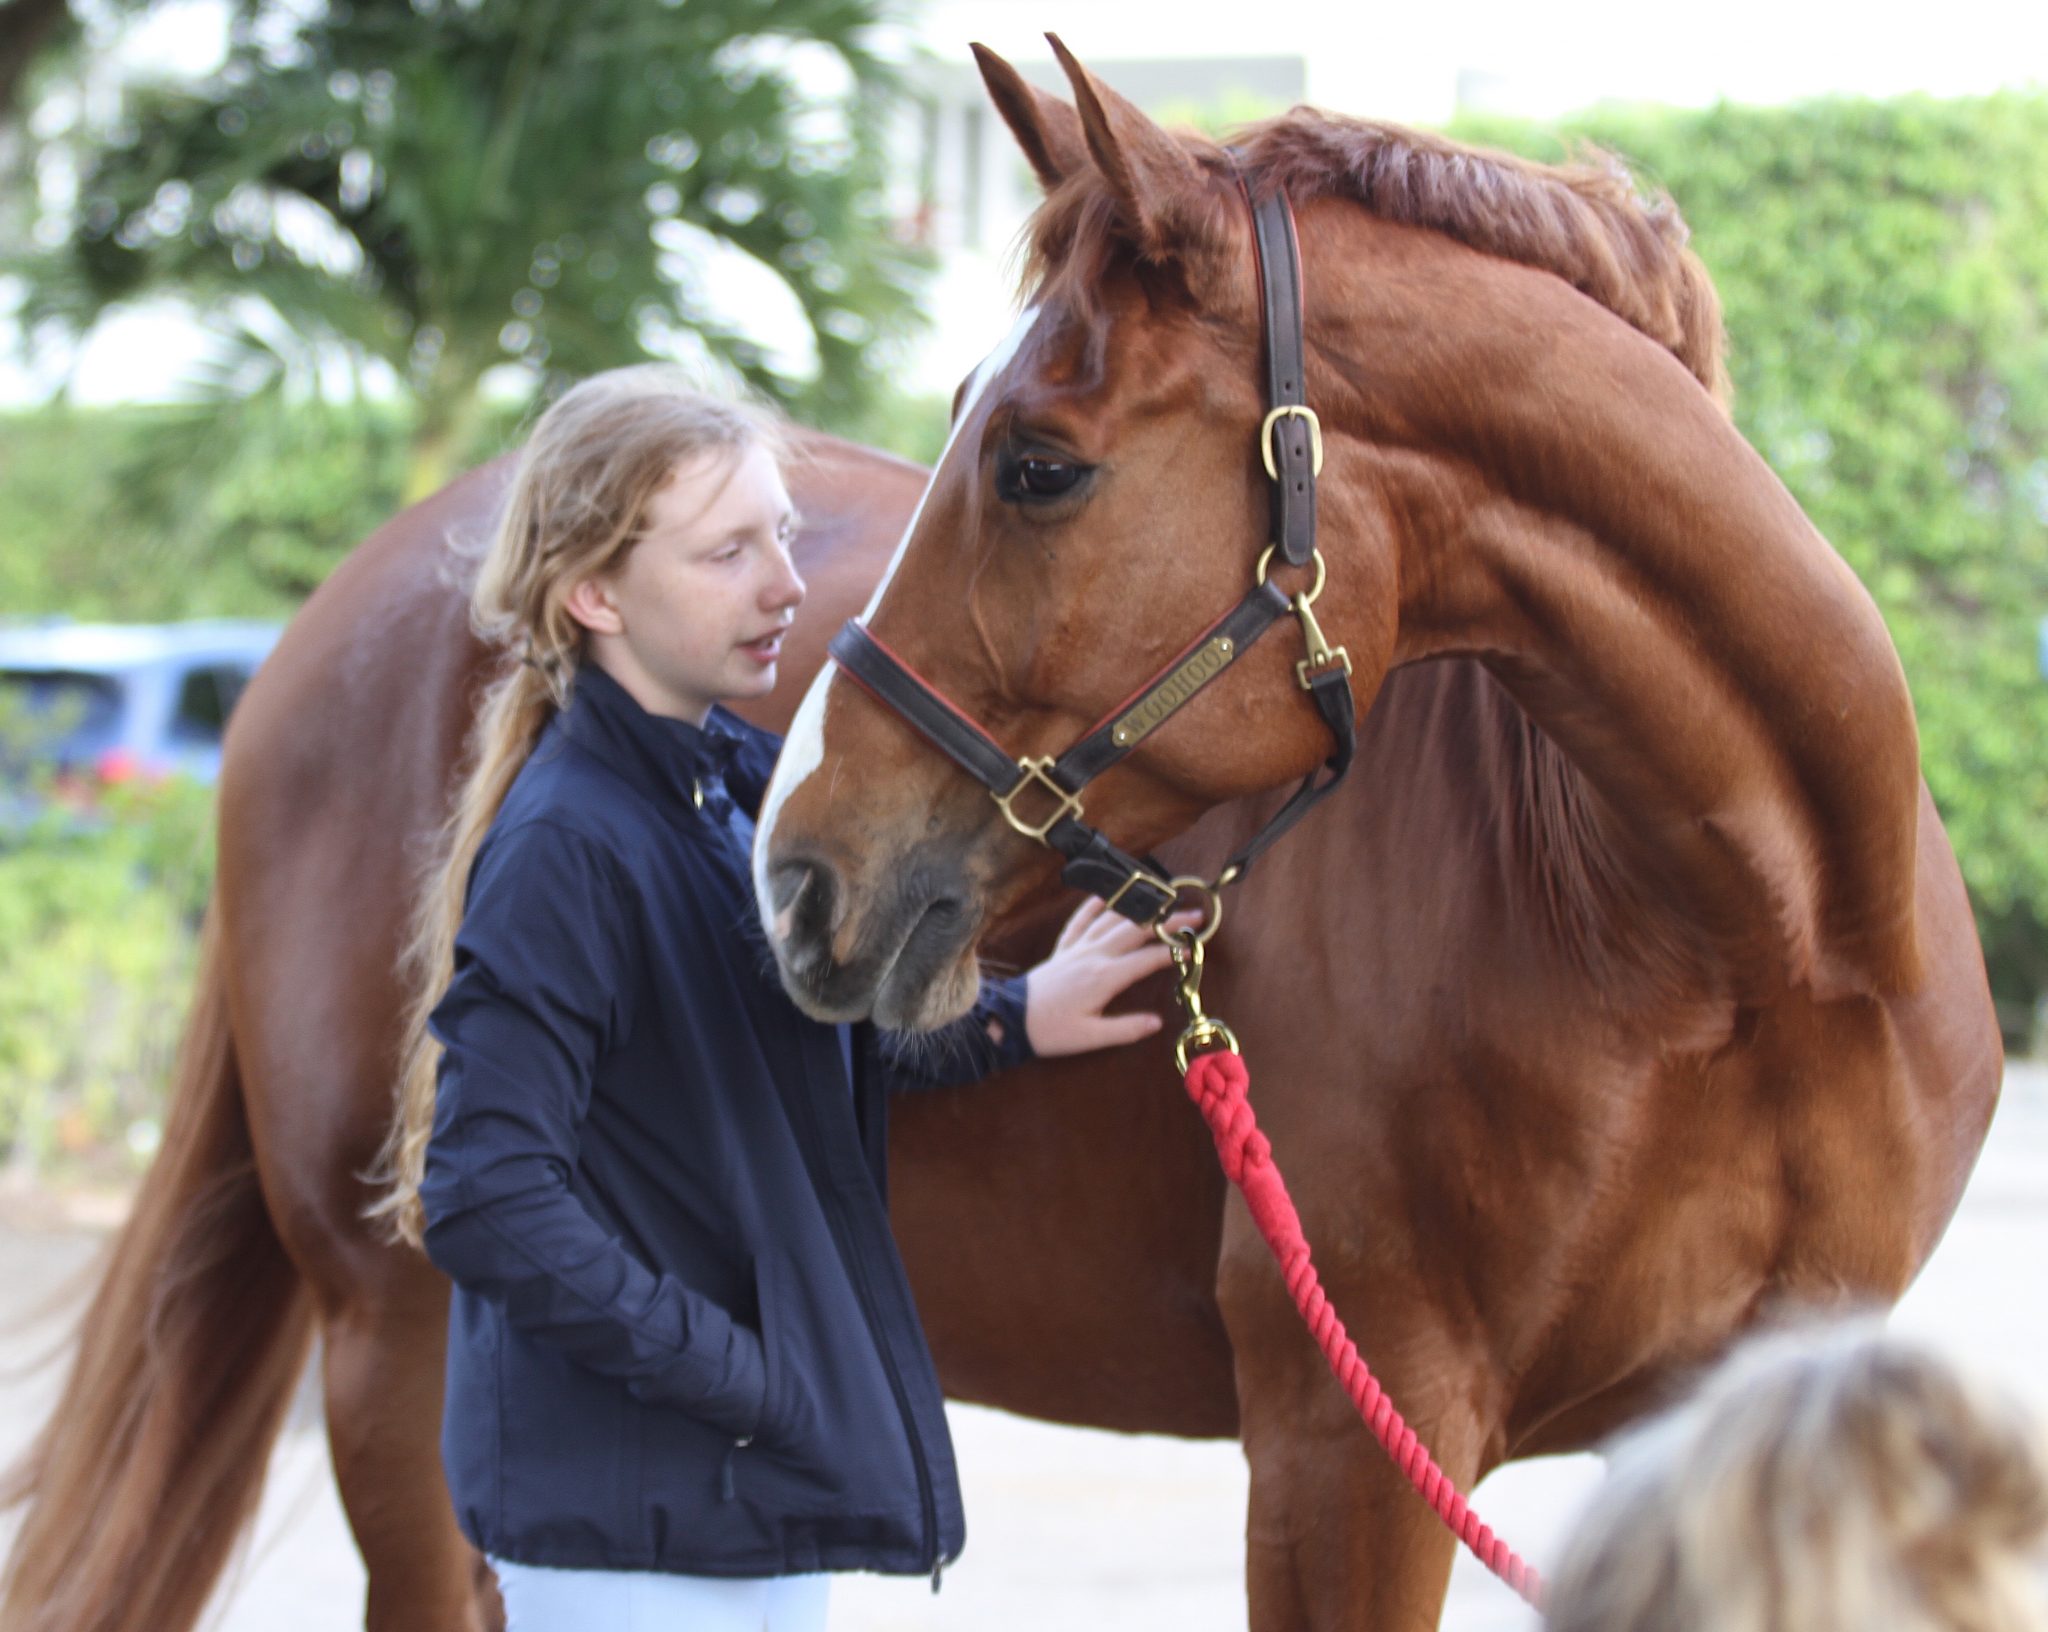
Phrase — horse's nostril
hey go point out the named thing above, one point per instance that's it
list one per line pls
(786, 880)
(803, 893)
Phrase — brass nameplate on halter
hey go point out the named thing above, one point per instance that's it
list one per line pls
(1154, 708)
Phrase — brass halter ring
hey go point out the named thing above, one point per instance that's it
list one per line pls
(1212, 908)
(1266, 557)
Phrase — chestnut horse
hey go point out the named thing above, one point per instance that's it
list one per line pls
(1629, 985)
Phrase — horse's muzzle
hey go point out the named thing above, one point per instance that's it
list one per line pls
(898, 956)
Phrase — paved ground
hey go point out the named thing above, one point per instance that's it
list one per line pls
(1089, 1528)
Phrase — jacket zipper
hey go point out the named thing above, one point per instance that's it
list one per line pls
(727, 1490)
(927, 1501)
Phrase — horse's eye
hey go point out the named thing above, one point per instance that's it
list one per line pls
(1046, 478)
(1037, 477)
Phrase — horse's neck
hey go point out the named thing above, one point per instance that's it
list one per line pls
(1649, 594)
(1536, 840)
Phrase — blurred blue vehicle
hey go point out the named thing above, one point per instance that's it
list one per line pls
(101, 703)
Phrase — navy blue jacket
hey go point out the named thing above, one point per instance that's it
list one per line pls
(681, 1337)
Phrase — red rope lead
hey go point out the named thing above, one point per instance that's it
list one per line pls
(1217, 1083)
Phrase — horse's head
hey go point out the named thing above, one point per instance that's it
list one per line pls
(1100, 502)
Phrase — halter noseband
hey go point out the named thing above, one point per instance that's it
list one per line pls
(1291, 448)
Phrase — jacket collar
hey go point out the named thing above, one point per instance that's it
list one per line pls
(669, 760)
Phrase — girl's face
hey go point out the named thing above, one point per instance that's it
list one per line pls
(695, 613)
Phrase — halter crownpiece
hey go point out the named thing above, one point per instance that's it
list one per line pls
(1290, 442)
(1291, 437)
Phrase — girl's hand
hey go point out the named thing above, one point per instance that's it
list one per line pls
(1099, 957)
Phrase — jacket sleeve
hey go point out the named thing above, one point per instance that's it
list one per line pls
(955, 1055)
(545, 962)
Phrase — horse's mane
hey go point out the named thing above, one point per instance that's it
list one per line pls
(1583, 222)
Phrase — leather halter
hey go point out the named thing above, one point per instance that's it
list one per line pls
(1290, 446)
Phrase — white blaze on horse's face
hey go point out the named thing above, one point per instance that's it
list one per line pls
(803, 750)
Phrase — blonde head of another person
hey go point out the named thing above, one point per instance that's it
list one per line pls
(1822, 1479)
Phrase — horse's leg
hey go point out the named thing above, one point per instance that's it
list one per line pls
(318, 1096)
(1336, 1539)
(383, 1353)
(383, 1314)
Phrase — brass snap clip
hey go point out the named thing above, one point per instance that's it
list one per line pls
(1321, 654)
(1203, 1031)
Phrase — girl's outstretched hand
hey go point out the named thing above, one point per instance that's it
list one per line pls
(1099, 957)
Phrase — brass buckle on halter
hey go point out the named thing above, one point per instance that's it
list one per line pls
(1038, 770)
(1291, 410)
(1138, 876)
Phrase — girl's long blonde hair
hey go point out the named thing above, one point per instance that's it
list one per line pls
(1823, 1480)
(577, 501)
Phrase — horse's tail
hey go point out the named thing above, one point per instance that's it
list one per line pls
(141, 1483)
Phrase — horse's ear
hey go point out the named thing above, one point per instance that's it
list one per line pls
(1162, 189)
(1046, 129)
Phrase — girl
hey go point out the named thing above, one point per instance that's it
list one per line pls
(685, 1378)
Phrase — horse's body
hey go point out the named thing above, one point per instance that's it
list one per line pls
(1551, 1147)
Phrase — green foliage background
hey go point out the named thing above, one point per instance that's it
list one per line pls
(105, 513)
(528, 190)
(98, 943)
(1883, 267)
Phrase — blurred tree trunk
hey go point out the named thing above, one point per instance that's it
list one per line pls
(26, 26)
(450, 412)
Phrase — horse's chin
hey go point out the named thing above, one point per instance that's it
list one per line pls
(930, 979)
(912, 996)
(831, 1011)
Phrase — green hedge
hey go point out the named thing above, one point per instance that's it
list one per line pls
(144, 514)
(98, 938)
(1884, 271)
(140, 514)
